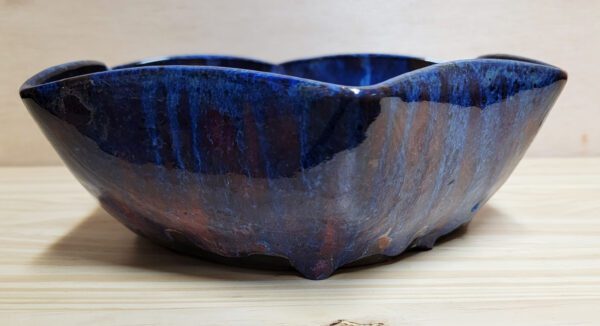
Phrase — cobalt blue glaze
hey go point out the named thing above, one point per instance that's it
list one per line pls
(322, 161)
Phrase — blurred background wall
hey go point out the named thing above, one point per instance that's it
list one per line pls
(35, 34)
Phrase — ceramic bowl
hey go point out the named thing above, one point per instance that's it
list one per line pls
(321, 162)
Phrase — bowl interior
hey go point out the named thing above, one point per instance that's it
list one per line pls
(348, 70)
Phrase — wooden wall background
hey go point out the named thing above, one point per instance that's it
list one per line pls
(35, 34)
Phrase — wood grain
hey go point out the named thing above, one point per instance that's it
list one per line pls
(35, 34)
(530, 257)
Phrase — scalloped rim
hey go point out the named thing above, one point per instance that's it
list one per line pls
(81, 69)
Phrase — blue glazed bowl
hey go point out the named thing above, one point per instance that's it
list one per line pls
(321, 162)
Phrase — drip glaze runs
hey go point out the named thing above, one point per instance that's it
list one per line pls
(321, 162)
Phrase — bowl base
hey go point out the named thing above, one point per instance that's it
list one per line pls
(182, 246)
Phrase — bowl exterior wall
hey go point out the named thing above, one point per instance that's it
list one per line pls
(235, 164)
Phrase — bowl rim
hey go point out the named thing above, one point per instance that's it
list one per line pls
(78, 70)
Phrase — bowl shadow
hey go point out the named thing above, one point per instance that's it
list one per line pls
(101, 240)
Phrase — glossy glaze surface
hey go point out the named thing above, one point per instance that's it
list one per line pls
(362, 155)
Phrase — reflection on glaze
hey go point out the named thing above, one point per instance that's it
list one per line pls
(359, 156)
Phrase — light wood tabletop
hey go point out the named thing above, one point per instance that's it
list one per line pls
(531, 256)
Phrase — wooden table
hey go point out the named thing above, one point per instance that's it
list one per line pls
(531, 256)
